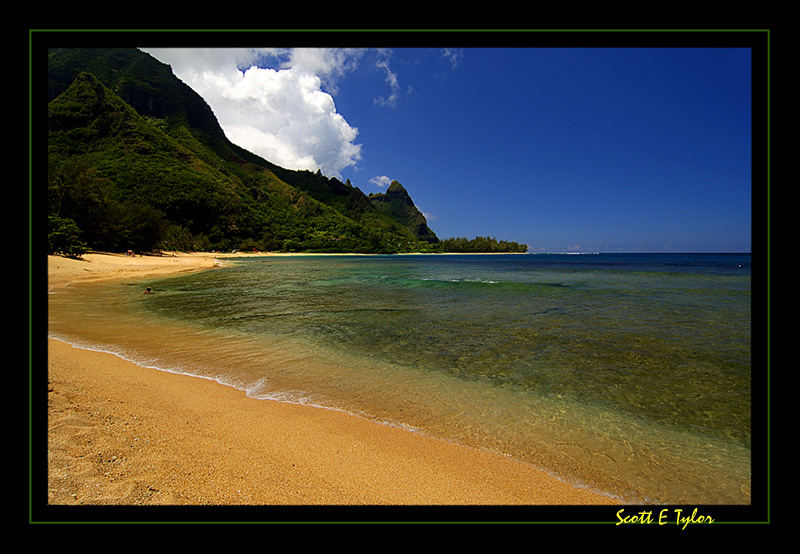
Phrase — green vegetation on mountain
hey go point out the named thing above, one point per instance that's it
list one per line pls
(397, 204)
(137, 160)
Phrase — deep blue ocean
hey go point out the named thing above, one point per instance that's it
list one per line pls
(629, 374)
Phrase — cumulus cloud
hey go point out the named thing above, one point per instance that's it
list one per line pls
(273, 102)
(327, 63)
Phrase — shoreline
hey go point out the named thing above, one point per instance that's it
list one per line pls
(101, 266)
(117, 434)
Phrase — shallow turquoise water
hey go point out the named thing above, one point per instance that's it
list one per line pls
(627, 374)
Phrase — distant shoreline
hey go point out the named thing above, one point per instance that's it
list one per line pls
(377, 254)
(109, 265)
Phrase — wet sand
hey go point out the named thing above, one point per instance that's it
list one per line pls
(121, 434)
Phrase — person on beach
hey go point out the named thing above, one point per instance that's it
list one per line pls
(148, 291)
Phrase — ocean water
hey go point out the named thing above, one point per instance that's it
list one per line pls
(628, 374)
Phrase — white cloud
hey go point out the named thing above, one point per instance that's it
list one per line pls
(391, 80)
(281, 113)
(327, 63)
(427, 215)
(381, 181)
(453, 55)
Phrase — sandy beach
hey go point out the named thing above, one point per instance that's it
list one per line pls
(121, 434)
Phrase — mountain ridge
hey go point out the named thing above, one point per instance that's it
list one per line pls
(397, 203)
(137, 160)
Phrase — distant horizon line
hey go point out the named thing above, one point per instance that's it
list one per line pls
(594, 252)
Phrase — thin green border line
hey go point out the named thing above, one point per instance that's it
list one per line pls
(402, 30)
(30, 276)
(768, 276)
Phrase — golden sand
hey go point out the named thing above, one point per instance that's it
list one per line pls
(122, 434)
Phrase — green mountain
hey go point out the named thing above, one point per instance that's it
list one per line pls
(137, 160)
(397, 204)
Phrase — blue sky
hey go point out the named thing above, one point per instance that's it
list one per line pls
(576, 149)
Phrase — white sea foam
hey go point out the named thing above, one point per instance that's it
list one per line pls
(123, 355)
(257, 390)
